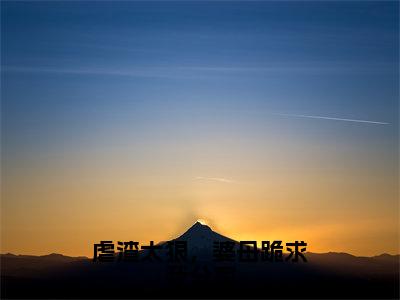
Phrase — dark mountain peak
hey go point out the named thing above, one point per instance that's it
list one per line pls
(61, 257)
(8, 255)
(198, 227)
(53, 255)
(200, 233)
(200, 239)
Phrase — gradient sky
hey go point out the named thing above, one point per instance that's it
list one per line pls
(130, 120)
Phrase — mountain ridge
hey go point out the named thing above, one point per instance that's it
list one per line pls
(198, 233)
(44, 276)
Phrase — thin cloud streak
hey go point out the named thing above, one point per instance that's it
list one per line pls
(219, 179)
(137, 72)
(203, 71)
(333, 119)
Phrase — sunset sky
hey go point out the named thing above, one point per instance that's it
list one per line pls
(131, 120)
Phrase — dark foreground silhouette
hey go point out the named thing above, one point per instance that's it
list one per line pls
(328, 275)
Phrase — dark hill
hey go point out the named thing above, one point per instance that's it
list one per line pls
(325, 275)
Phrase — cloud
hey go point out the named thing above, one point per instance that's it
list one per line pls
(218, 179)
(333, 119)
(203, 71)
(136, 72)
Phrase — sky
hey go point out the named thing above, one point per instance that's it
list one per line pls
(131, 120)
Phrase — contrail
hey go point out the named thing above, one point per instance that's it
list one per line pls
(220, 179)
(331, 118)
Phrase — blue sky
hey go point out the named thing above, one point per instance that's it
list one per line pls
(146, 81)
(336, 59)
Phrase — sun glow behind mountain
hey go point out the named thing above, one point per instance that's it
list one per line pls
(202, 221)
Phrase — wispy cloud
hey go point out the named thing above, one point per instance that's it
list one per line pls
(203, 71)
(332, 118)
(306, 67)
(136, 72)
(218, 179)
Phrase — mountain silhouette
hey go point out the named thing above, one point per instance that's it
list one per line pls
(200, 240)
(325, 275)
(200, 234)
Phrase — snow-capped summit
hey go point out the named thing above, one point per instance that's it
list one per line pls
(202, 233)
(200, 239)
